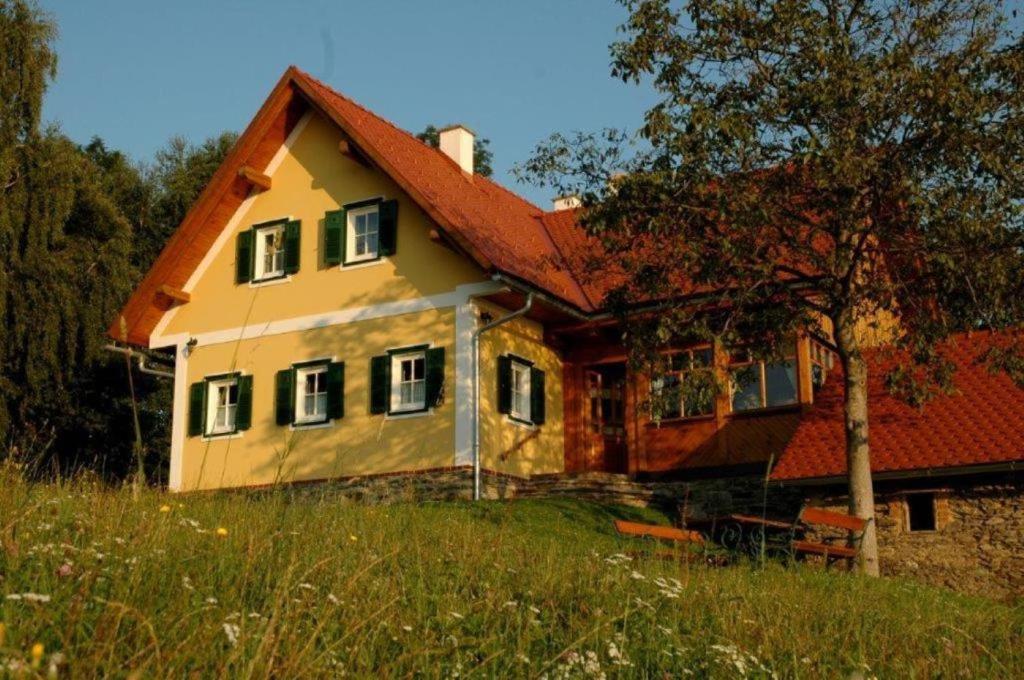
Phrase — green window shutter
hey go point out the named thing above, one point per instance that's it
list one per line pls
(504, 384)
(197, 409)
(537, 396)
(284, 397)
(388, 226)
(434, 376)
(243, 413)
(336, 390)
(292, 242)
(334, 237)
(243, 257)
(380, 383)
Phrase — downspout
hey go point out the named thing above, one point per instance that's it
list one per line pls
(143, 368)
(476, 385)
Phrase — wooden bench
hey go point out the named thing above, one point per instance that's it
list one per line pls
(657, 531)
(811, 517)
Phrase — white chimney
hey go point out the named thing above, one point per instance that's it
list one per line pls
(566, 202)
(457, 144)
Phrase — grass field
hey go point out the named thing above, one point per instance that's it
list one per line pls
(95, 582)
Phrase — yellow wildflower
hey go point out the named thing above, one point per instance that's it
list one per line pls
(221, 531)
(352, 538)
(165, 508)
(37, 653)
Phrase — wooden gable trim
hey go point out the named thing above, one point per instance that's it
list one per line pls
(209, 214)
(350, 150)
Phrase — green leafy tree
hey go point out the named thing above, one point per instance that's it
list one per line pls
(816, 164)
(482, 155)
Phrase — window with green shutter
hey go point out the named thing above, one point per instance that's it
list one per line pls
(310, 393)
(369, 232)
(226, 405)
(520, 390)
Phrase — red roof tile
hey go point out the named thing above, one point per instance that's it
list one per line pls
(981, 423)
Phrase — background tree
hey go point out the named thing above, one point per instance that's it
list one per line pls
(79, 226)
(482, 155)
(823, 163)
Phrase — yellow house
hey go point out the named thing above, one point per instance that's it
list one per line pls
(345, 300)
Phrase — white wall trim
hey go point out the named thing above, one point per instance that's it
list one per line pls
(342, 316)
(179, 416)
(465, 324)
(229, 228)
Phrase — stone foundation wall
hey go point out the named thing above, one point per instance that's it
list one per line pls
(977, 546)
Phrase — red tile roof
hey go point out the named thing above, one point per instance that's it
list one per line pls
(981, 423)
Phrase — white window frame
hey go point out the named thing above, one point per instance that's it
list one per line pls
(301, 416)
(259, 235)
(397, 358)
(659, 384)
(350, 234)
(760, 366)
(213, 388)
(520, 368)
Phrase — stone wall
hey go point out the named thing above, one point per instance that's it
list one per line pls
(977, 546)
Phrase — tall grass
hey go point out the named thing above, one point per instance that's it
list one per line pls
(288, 585)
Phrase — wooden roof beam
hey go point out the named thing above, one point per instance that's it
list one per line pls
(256, 179)
(175, 295)
(350, 150)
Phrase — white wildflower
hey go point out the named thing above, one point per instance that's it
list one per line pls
(231, 630)
(186, 583)
(306, 586)
(29, 597)
(511, 603)
(333, 598)
(456, 615)
(636, 576)
(407, 629)
(211, 600)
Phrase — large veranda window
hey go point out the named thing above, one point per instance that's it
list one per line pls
(687, 389)
(759, 383)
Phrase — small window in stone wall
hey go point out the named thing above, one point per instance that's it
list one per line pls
(921, 512)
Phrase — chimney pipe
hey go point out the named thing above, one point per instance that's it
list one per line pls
(566, 202)
(456, 142)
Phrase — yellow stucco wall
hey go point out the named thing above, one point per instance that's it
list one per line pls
(359, 443)
(507, 446)
(313, 178)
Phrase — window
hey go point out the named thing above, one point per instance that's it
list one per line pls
(269, 260)
(822, 361)
(520, 383)
(223, 406)
(363, 234)
(921, 512)
(688, 388)
(408, 381)
(758, 384)
(311, 394)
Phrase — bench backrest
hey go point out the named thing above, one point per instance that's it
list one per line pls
(657, 531)
(839, 520)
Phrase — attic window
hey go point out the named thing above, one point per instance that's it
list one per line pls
(363, 234)
(921, 512)
(269, 259)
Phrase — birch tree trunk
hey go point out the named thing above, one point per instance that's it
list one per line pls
(858, 456)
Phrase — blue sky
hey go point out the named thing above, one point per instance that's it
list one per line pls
(137, 72)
